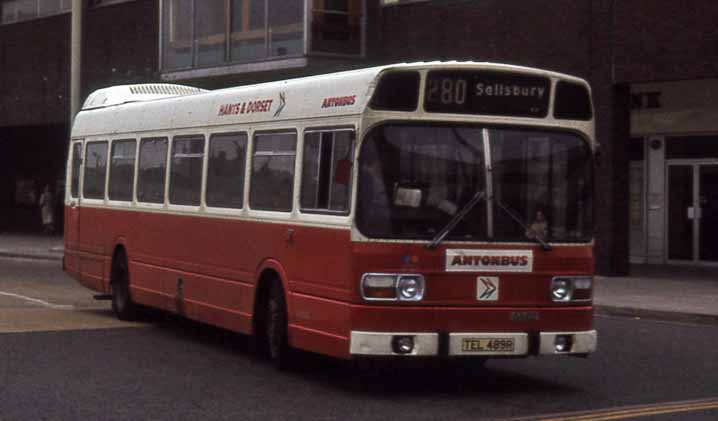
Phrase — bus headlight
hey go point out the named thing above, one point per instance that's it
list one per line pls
(571, 288)
(392, 287)
(411, 287)
(560, 289)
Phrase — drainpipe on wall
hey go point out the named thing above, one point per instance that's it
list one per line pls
(75, 59)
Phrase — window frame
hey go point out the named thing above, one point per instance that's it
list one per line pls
(268, 61)
(134, 169)
(250, 168)
(76, 168)
(138, 170)
(170, 168)
(245, 174)
(83, 185)
(350, 186)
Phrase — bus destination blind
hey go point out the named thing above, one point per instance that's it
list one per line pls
(488, 93)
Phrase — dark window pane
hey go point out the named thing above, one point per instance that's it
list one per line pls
(337, 28)
(209, 32)
(95, 170)
(413, 179)
(398, 91)
(248, 32)
(286, 27)
(635, 149)
(76, 162)
(186, 171)
(326, 171)
(573, 102)
(272, 183)
(151, 174)
(225, 173)
(176, 34)
(691, 147)
(122, 170)
(544, 180)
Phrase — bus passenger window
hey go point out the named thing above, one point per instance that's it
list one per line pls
(272, 182)
(225, 171)
(151, 174)
(122, 170)
(326, 171)
(186, 171)
(76, 162)
(95, 170)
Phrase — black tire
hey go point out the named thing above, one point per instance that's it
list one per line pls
(122, 304)
(275, 324)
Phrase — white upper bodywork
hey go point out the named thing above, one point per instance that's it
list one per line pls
(139, 108)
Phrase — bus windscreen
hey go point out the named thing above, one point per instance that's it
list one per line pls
(488, 93)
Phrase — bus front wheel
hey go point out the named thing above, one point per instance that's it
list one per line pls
(122, 304)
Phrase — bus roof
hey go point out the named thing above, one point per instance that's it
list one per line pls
(166, 106)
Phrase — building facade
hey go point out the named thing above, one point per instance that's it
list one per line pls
(653, 66)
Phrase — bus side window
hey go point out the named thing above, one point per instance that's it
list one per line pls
(272, 181)
(122, 170)
(151, 174)
(326, 171)
(93, 186)
(186, 170)
(225, 170)
(76, 162)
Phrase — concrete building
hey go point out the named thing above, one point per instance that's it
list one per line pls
(653, 66)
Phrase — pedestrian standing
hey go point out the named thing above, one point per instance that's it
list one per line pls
(47, 210)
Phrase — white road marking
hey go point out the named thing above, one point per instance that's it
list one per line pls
(38, 301)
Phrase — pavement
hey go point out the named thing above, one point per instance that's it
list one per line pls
(676, 293)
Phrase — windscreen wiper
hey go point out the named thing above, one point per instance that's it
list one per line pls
(458, 216)
(512, 214)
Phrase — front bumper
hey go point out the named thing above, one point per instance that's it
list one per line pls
(454, 344)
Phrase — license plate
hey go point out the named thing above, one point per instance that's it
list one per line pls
(488, 345)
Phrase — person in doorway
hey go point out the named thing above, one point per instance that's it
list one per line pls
(538, 228)
(47, 210)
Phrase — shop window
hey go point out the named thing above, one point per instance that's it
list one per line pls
(248, 37)
(186, 171)
(122, 170)
(177, 34)
(272, 181)
(198, 34)
(225, 172)
(209, 29)
(93, 186)
(326, 171)
(151, 174)
(12, 11)
(286, 28)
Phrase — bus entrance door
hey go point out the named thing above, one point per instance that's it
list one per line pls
(72, 213)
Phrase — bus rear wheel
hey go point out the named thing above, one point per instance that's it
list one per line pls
(122, 304)
(281, 354)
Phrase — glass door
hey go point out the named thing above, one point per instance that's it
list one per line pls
(681, 212)
(692, 221)
(708, 217)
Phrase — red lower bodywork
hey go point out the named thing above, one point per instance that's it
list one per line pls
(220, 262)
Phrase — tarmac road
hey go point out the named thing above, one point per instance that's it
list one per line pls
(78, 362)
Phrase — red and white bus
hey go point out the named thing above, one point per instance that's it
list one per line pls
(427, 209)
